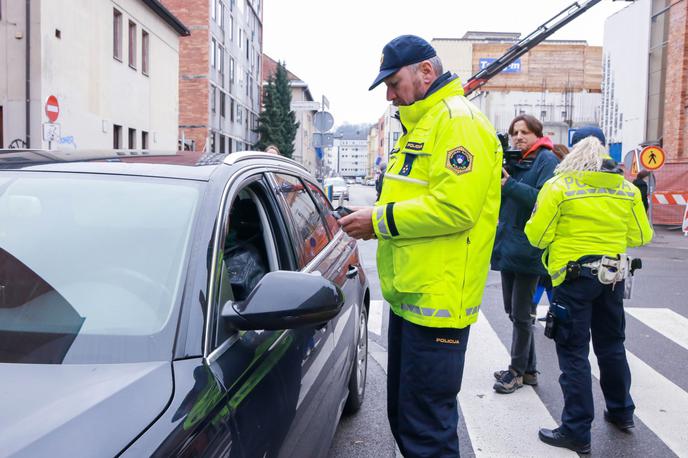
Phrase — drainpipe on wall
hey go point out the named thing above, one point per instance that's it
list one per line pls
(28, 74)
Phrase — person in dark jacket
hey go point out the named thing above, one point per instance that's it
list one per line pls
(642, 186)
(519, 262)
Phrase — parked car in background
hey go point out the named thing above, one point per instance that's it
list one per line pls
(154, 306)
(359, 180)
(339, 187)
(370, 182)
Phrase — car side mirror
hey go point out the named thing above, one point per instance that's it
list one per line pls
(285, 300)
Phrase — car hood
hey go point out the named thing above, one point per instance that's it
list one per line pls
(79, 410)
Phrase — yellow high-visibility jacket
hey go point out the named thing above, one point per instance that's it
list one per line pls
(588, 213)
(437, 214)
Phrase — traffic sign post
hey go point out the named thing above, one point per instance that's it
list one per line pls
(684, 226)
(52, 111)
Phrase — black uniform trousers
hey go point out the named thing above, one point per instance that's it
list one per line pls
(424, 372)
(597, 309)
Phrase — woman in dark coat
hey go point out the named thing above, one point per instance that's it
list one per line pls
(519, 262)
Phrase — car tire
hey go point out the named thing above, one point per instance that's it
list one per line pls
(359, 371)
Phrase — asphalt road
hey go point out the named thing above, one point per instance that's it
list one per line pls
(506, 425)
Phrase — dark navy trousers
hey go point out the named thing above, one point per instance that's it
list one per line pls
(596, 309)
(424, 372)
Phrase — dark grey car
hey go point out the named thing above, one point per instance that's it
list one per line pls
(171, 306)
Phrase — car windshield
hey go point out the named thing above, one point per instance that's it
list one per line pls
(91, 266)
(335, 182)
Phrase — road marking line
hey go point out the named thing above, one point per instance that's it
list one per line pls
(489, 416)
(660, 404)
(665, 321)
(375, 317)
(379, 354)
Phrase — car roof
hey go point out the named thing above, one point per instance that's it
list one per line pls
(177, 164)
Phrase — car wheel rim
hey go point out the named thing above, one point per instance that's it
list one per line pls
(362, 354)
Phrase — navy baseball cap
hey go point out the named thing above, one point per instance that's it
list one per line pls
(400, 52)
(588, 131)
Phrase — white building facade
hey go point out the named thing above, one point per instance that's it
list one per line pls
(349, 157)
(112, 65)
(626, 75)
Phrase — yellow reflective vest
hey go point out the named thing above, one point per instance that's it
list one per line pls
(587, 213)
(437, 214)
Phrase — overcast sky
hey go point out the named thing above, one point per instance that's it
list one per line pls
(335, 45)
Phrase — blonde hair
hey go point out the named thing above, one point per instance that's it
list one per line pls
(586, 156)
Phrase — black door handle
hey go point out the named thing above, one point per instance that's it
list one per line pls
(352, 272)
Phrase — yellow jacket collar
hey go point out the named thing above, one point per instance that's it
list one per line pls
(411, 114)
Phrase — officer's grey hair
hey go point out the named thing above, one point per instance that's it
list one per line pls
(436, 63)
(586, 156)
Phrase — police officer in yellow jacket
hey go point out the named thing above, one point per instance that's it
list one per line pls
(585, 218)
(435, 223)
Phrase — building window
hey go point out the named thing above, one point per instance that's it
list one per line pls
(241, 37)
(144, 139)
(117, 35)
(145, 38)
(231, 71)
(543, 115)
(222, 143)
(220, 15)
(132, 45)
(213, 52)
(231, 109)
(132, 138)
(213, 9)
(212, 99)
(116, 136)
(230, 20)
(221, 58)
(222, 104)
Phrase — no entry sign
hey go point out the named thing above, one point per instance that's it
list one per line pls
(52, 108)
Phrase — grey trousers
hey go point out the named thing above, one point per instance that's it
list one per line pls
(518, 290)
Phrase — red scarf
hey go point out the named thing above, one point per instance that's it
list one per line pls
(544, 142)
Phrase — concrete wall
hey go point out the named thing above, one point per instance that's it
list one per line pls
(456, 56)
(13, 39)
(548, 107)
(625, 80)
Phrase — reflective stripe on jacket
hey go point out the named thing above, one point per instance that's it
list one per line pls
(590, 213)
(437, 214)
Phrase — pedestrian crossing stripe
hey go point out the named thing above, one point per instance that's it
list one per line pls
(660, 404)
(665, 321)
(375, 317)
(489, 416)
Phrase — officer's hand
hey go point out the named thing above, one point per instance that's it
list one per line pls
(359, 224)
(505, 176)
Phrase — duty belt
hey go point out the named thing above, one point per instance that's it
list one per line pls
(610, 270)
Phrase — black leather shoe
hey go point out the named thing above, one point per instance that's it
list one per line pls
(622, 425)
(556, 438)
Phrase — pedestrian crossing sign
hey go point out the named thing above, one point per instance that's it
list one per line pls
(652, 157)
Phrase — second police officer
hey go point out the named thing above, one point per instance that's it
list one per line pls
(584, 218)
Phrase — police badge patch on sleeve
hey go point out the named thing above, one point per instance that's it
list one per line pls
(459, 160)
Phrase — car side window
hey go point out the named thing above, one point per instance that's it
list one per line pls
(250, 250)
(308, 228)
(325, 208)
